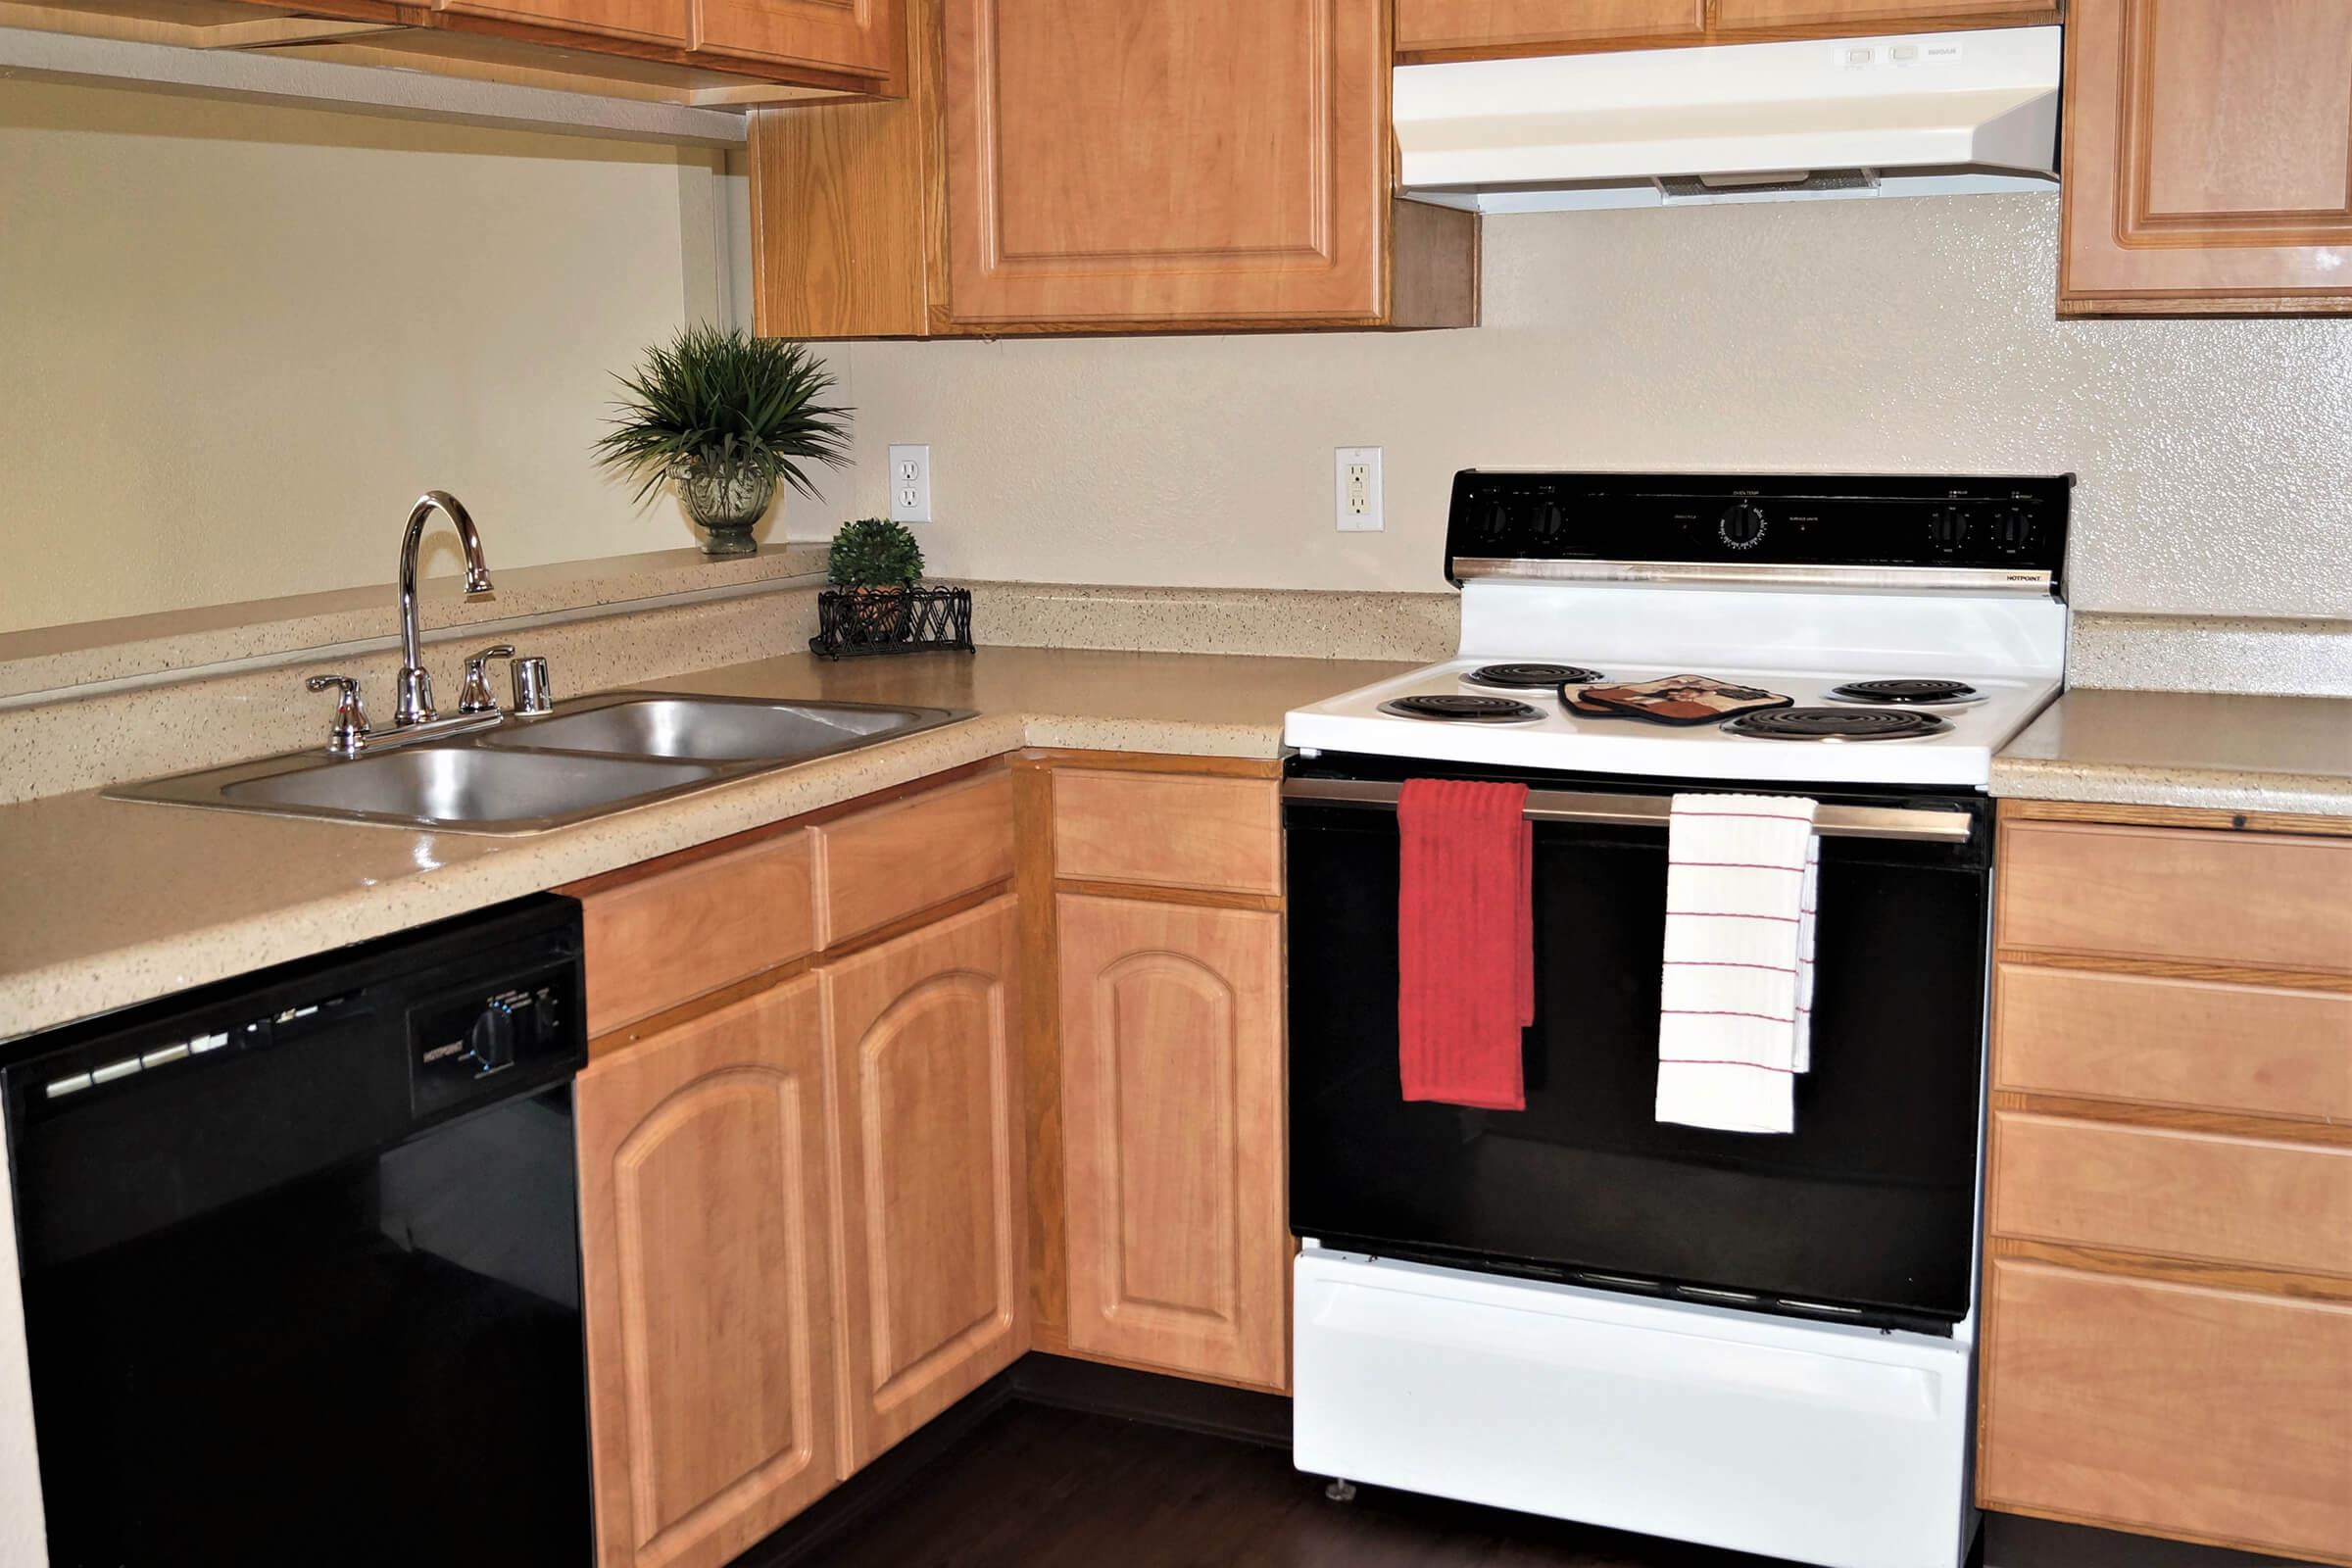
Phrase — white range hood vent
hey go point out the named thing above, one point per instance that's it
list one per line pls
(1910, 114)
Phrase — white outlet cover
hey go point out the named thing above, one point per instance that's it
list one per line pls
(911, 484)
(1355, 497)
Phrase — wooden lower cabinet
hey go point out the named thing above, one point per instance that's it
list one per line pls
(1173, 1136)
(2215, 1415)
(705, 1181)
(2167, 1294)
(934, 1256)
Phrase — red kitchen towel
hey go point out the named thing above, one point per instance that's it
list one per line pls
(1465, 941)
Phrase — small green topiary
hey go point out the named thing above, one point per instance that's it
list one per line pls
(875, 553)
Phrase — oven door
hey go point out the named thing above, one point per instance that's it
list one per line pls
(1866, 1212)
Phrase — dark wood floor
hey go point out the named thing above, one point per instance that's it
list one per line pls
(1033, 1487)
(1061, 1464)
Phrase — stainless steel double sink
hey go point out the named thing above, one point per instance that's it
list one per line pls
(587, 758)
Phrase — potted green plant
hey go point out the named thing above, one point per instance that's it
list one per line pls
(874, 562)
(723, 416)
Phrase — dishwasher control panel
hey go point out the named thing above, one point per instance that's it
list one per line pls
(461, 1046)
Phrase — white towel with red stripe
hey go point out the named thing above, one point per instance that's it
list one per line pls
(1737, 994)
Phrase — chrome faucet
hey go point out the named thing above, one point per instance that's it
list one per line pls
(414, 703)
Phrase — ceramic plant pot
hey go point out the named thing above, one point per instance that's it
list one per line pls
(725, 499)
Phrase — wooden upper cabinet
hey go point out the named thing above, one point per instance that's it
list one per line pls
(1472, 28)
(2208, 157)
(935, 1254)
(860, 38)
(1172, 1130)
(1072, 165)
(853, 46)
(645, 21)
(1191, 161)
(1860, 16)
(706, 1225)
(1536, 23)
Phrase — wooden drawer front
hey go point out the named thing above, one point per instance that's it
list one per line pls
(876, 867)
(2156, 1189)
(2199, 1043)
(2172, 1408)
(1169, 830)
(2168, 893)
(671, 936)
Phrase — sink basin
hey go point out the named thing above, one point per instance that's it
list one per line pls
(446, 784)
(713, 729)
(588, 759)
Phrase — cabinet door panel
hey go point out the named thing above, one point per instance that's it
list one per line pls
(1173, 1136)
(2184, 1410)
(858, 36)
(1187, 162)
(1509, 24)
(2209, 153)
(934, 1253)
(652, 21)
(704, 1178)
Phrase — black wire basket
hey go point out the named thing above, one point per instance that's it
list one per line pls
(852, 623)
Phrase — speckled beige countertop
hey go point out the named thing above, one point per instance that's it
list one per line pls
(2229, 753)
(107, 902)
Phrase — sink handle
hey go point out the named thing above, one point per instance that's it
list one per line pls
(476, 697)
(532, 692)
(350, 731)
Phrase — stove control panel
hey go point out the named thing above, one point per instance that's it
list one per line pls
(2009, 529)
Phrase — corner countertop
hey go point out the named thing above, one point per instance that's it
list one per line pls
(2224, 751)
(108, 903)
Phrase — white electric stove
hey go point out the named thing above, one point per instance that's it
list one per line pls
(2007, 650)
(1764, 1343)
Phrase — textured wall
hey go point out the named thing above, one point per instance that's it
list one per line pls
(2216, 456)
(237, 340)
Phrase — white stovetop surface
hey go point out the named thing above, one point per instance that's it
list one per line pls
(1799, 645)
(1571, 742)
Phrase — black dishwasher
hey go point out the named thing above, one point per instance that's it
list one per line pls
(300, 1260)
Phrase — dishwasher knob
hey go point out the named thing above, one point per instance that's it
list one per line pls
(490, 1043)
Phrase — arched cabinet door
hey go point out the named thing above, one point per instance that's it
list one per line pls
(705, 1249)
(934, 1252)
(1172, 1136)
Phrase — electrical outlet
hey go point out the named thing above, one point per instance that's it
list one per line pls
(1359, 474)
(911, 484)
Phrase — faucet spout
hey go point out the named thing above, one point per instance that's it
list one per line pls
(416, 698)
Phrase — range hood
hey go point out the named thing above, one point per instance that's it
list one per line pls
(1910, 114)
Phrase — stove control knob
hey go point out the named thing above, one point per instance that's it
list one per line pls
(1494, 520)
(1743, 527)
(1550, 520)
(2013, 531)
(1947, 529)
(490, 1043)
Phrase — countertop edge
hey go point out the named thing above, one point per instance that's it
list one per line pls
(2037, 778)
(91, 984)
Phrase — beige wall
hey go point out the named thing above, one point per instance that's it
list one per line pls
(2216, 456)
(236, 340)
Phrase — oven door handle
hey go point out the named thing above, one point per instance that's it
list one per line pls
(1943, 826)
